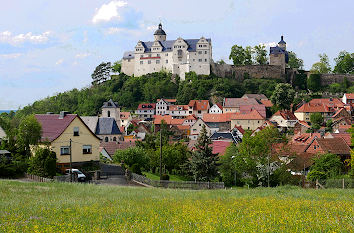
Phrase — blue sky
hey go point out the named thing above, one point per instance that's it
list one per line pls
(48, 47)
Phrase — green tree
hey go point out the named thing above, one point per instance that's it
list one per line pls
(101, 73)
(29, 133)
(260, 54)
(325, 166)
(314, 82)
(203, 163)
(316, 120)
(221, 62)
(132, 156)
(336, 88)
(117, 66)
(248, 55)
(283, 95)
(323, 66)
(237, 55)
(43, 163)
(294, 61)
(227, 166)
(344, 63)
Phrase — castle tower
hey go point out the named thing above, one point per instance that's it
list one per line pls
(160, 34)
(282, 43)
(112, 110)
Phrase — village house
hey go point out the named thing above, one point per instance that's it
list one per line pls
(216, 109)
(198, 107)
(111, 109)
(162, 106)
(146, 111)
(69, 137)
(196, 128)
(125, 118)
(108, 149)
(233, 104)
(348, 98)
(301, 127)
(284, 119)
(178, 111)
(218, 122)
(250, 121)
(258, 97)
(304, 112)
(105, 128)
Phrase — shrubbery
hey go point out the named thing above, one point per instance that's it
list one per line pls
(43, 163)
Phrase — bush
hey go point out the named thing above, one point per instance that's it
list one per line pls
(165, 177)
(135, 168)
(132, 156)
(12, 168)
(43, 163)
(314, 82)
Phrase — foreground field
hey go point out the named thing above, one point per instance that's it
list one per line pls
(55, 207)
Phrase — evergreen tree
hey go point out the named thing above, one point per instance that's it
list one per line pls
(101, 73)
(203, 163)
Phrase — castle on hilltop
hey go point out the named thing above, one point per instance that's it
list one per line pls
(278, 55)
(178, 56)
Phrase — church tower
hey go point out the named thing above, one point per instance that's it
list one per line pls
(282, 43)
(160, 34)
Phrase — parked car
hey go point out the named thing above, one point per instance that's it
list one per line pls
(80, 176)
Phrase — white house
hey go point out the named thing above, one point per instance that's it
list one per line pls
(162, 106)
(216, 109)
(196, 128)
(284, 119)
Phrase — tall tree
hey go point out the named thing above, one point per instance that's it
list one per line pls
(29, 133)
(117, 66)
(260, 54)
(323, 66)
(344, 63)
(203, 163)
(237, 55)
(325, 166)
(248, 55)
(316, 120)
(101, 73)
(294, 61)
(283, 95)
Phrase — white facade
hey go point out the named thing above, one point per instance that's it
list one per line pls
(215, 109)
(283, 122)
(196, 128)
(177, 56)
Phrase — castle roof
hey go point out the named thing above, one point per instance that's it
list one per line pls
(128, 55)
(282, 40)
(110, 104)
(167, 45)
(160, 31)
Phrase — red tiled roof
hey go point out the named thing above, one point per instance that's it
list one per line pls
(267, 103)
(305, 138)
(112, 147)
(147, 106)
(178, 107)
(124, 115)
(242, 131)
(236, 102)
(191, 117)
(244, 109)
(350, 96)
(183, 127)
(286, 114)
(168, 100)
(159, 118)
(346, 136)
(309, 107)
(199, 105)
(254, 115)
(304, 123)
(335, 145)
(177, 121)
(222, 117)
(330, 103)
(219, 105)
(219, 147)
(52, 126)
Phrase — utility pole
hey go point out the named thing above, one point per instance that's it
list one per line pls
(161, 153)
(71, 164)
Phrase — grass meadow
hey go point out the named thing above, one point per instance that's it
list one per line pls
(63, 207)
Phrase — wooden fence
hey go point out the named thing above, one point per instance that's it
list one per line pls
(37, 178)
(177, 184)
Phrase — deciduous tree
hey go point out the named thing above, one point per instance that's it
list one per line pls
(283, 95)
(323, 66)
(344, 63)
(260, 54)
(294, 61)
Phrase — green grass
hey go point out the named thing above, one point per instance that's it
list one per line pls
(62, 207)
(153, 176)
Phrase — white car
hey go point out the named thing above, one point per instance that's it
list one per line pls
(80, 176)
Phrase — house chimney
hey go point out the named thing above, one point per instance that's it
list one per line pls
(63, 114)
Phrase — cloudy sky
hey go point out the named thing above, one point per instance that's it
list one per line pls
(51, 46)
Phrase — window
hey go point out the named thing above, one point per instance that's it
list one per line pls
(166, 55)
(157, 61)
(157, 55)
(64, 150)
(180, 53)
(200, 52)
(76, 131)
(204, 45)
(199, 111)
(87, 149)
(109, 113)
(206, 60)
(166, 61)
(206, 52)
(200, 60)
(141, 55)
(141, 62)
(106, 139)
(149, 61)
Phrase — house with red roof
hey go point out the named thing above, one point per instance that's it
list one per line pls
(218, 122)
(233, 104)
(107, 149)
(196, 128)
(250, 121)
(301, 127)
(284, 119)
(178, 111)
(162, 106)
(125, 118)
(146, 111)
(348, 98)
(216, 109)
(59, 129)
(198, 107)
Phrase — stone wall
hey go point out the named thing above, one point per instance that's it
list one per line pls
(254, 71)
(327, 79)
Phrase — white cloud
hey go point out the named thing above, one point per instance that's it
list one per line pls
(8, 37)
(269, 44)
(60, 61)
(108, 11)
(82, 55)
(11, 55)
